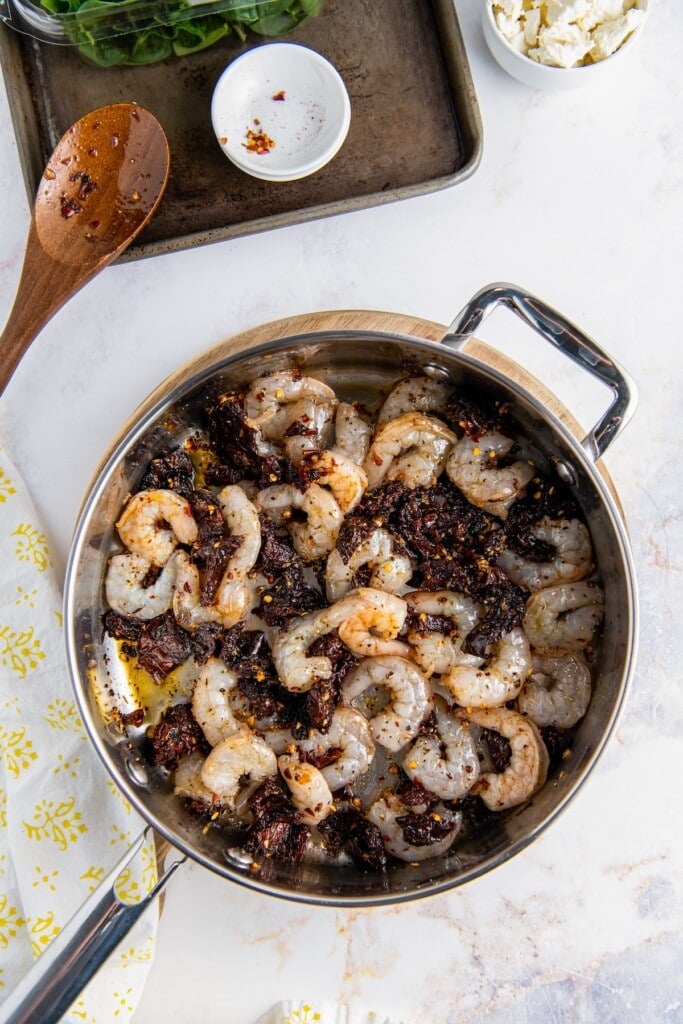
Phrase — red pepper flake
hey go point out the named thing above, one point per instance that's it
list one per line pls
(94, 224)
(92, 151)
(87, 185)
(279, 95)
(258, 142)
(69, 207)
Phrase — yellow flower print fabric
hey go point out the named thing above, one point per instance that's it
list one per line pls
(63, 823)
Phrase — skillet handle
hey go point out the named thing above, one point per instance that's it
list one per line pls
(59, 976)
(563, 335)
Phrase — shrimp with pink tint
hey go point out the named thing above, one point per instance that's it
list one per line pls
(154, 522)
(411, 448)
(310, 793)
(365, 618)
(474, 467)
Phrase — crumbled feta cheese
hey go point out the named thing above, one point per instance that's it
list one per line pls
(608, 37)
(511, 8)
(562, 46)
(509, 27)
(566, 33)
(564, 12)
(532, 26)
(602, 10)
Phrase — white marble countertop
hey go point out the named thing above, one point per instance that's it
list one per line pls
(579, 198)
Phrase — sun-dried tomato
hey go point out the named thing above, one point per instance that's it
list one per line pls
(289, 597)
(122, 627)
(276, 833)
(176, 736)
(171, 470)
(163, 644)
(347, 829)
(424, 829)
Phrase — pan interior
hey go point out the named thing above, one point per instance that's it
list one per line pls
(360, 367)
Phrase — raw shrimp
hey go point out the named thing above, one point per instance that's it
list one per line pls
(318, 535)
(557, 692)
(241, 756)
(211, 701)
(282, 402)
(371, 630)
(488, 684)
(230, 605)
(154, 522)
(242, 519)
(564, 617)
(390, 571)
(411, 698)
(446, 764)
(415, 394)
(353, 433)
(349, 733)
(384, 812)
(412, 448)
(528, 765)
(572, 559)
(126, 593)
(333, 468)
(310, 793)
(187, 779)
(472, 466)
(309, 429)
(385, 612)
(437, 652)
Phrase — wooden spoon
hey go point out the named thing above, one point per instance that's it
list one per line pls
(101, 185)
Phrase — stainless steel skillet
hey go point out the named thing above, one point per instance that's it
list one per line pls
(356, 363)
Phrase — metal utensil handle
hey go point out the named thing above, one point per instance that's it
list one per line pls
(563, 335)
(59, 976)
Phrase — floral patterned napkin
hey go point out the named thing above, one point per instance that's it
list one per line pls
(63, 823)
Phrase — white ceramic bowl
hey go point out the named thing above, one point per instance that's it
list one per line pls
(544, 76)
(280, 111)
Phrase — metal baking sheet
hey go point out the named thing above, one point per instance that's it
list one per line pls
(415, 124)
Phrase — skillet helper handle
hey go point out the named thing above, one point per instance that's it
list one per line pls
(563, 335)
(59, 976)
